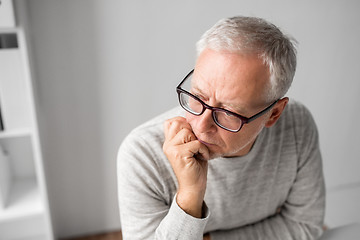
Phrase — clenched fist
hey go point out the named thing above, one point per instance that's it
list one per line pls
(188, 158)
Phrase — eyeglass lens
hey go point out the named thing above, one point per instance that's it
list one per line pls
(222, 118)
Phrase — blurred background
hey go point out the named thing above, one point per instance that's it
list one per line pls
(100, 68)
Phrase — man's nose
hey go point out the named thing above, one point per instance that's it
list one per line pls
(205, 122)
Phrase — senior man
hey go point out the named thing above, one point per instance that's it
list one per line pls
(241, 162)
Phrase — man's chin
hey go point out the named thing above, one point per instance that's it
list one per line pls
(214, 155)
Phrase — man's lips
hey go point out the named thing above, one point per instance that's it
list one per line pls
(205, 143)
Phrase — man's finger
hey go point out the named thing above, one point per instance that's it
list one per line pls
(197, 150)
(174, 125)
(183, 136)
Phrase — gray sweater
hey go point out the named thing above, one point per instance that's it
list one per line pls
(276, 191)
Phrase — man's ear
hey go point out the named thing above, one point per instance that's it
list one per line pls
(276, 111)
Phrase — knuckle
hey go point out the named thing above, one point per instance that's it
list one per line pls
(177, 155)
(167, 123)
(186, 135)
(165, 147)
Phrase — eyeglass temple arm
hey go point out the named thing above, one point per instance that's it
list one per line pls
(259, 114)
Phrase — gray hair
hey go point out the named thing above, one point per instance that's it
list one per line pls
(250, 35)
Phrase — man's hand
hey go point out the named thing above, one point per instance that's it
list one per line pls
(188, 158)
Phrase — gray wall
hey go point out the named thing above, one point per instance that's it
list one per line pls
(95, 63)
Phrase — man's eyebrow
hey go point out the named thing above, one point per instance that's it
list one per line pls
(234, 108)
(194, 87)
(228, 106)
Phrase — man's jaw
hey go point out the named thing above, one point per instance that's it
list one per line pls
(211, 147)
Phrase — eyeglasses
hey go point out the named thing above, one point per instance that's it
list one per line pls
(225, 119)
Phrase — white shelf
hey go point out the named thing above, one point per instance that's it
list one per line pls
(24, 207)
(15, 133)
(24, 216)
(7, 18)
(14, 91)
(8, 30)
(35, 237)
(24, 201)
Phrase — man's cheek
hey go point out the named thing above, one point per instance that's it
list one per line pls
(191, 120)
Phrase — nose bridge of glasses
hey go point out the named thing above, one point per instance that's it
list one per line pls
(207, 107)
(206, 120)
(212, 112)
(210, 108)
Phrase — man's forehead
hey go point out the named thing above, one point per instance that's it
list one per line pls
(243, 77)
(208, 90)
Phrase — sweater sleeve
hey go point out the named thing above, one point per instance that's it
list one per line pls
(302, 214)
(147, 211)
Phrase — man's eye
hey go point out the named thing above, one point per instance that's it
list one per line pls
(199, 97)
(229, 114)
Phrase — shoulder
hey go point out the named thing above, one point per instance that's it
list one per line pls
(298, 122)
(298, 111)
(298, 117)
(143, 171)
(296, 126)
(142, 147)
(151, 131)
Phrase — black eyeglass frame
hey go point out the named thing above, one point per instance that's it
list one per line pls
(244, 120)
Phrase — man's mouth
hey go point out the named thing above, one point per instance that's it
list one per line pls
(206, 143)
